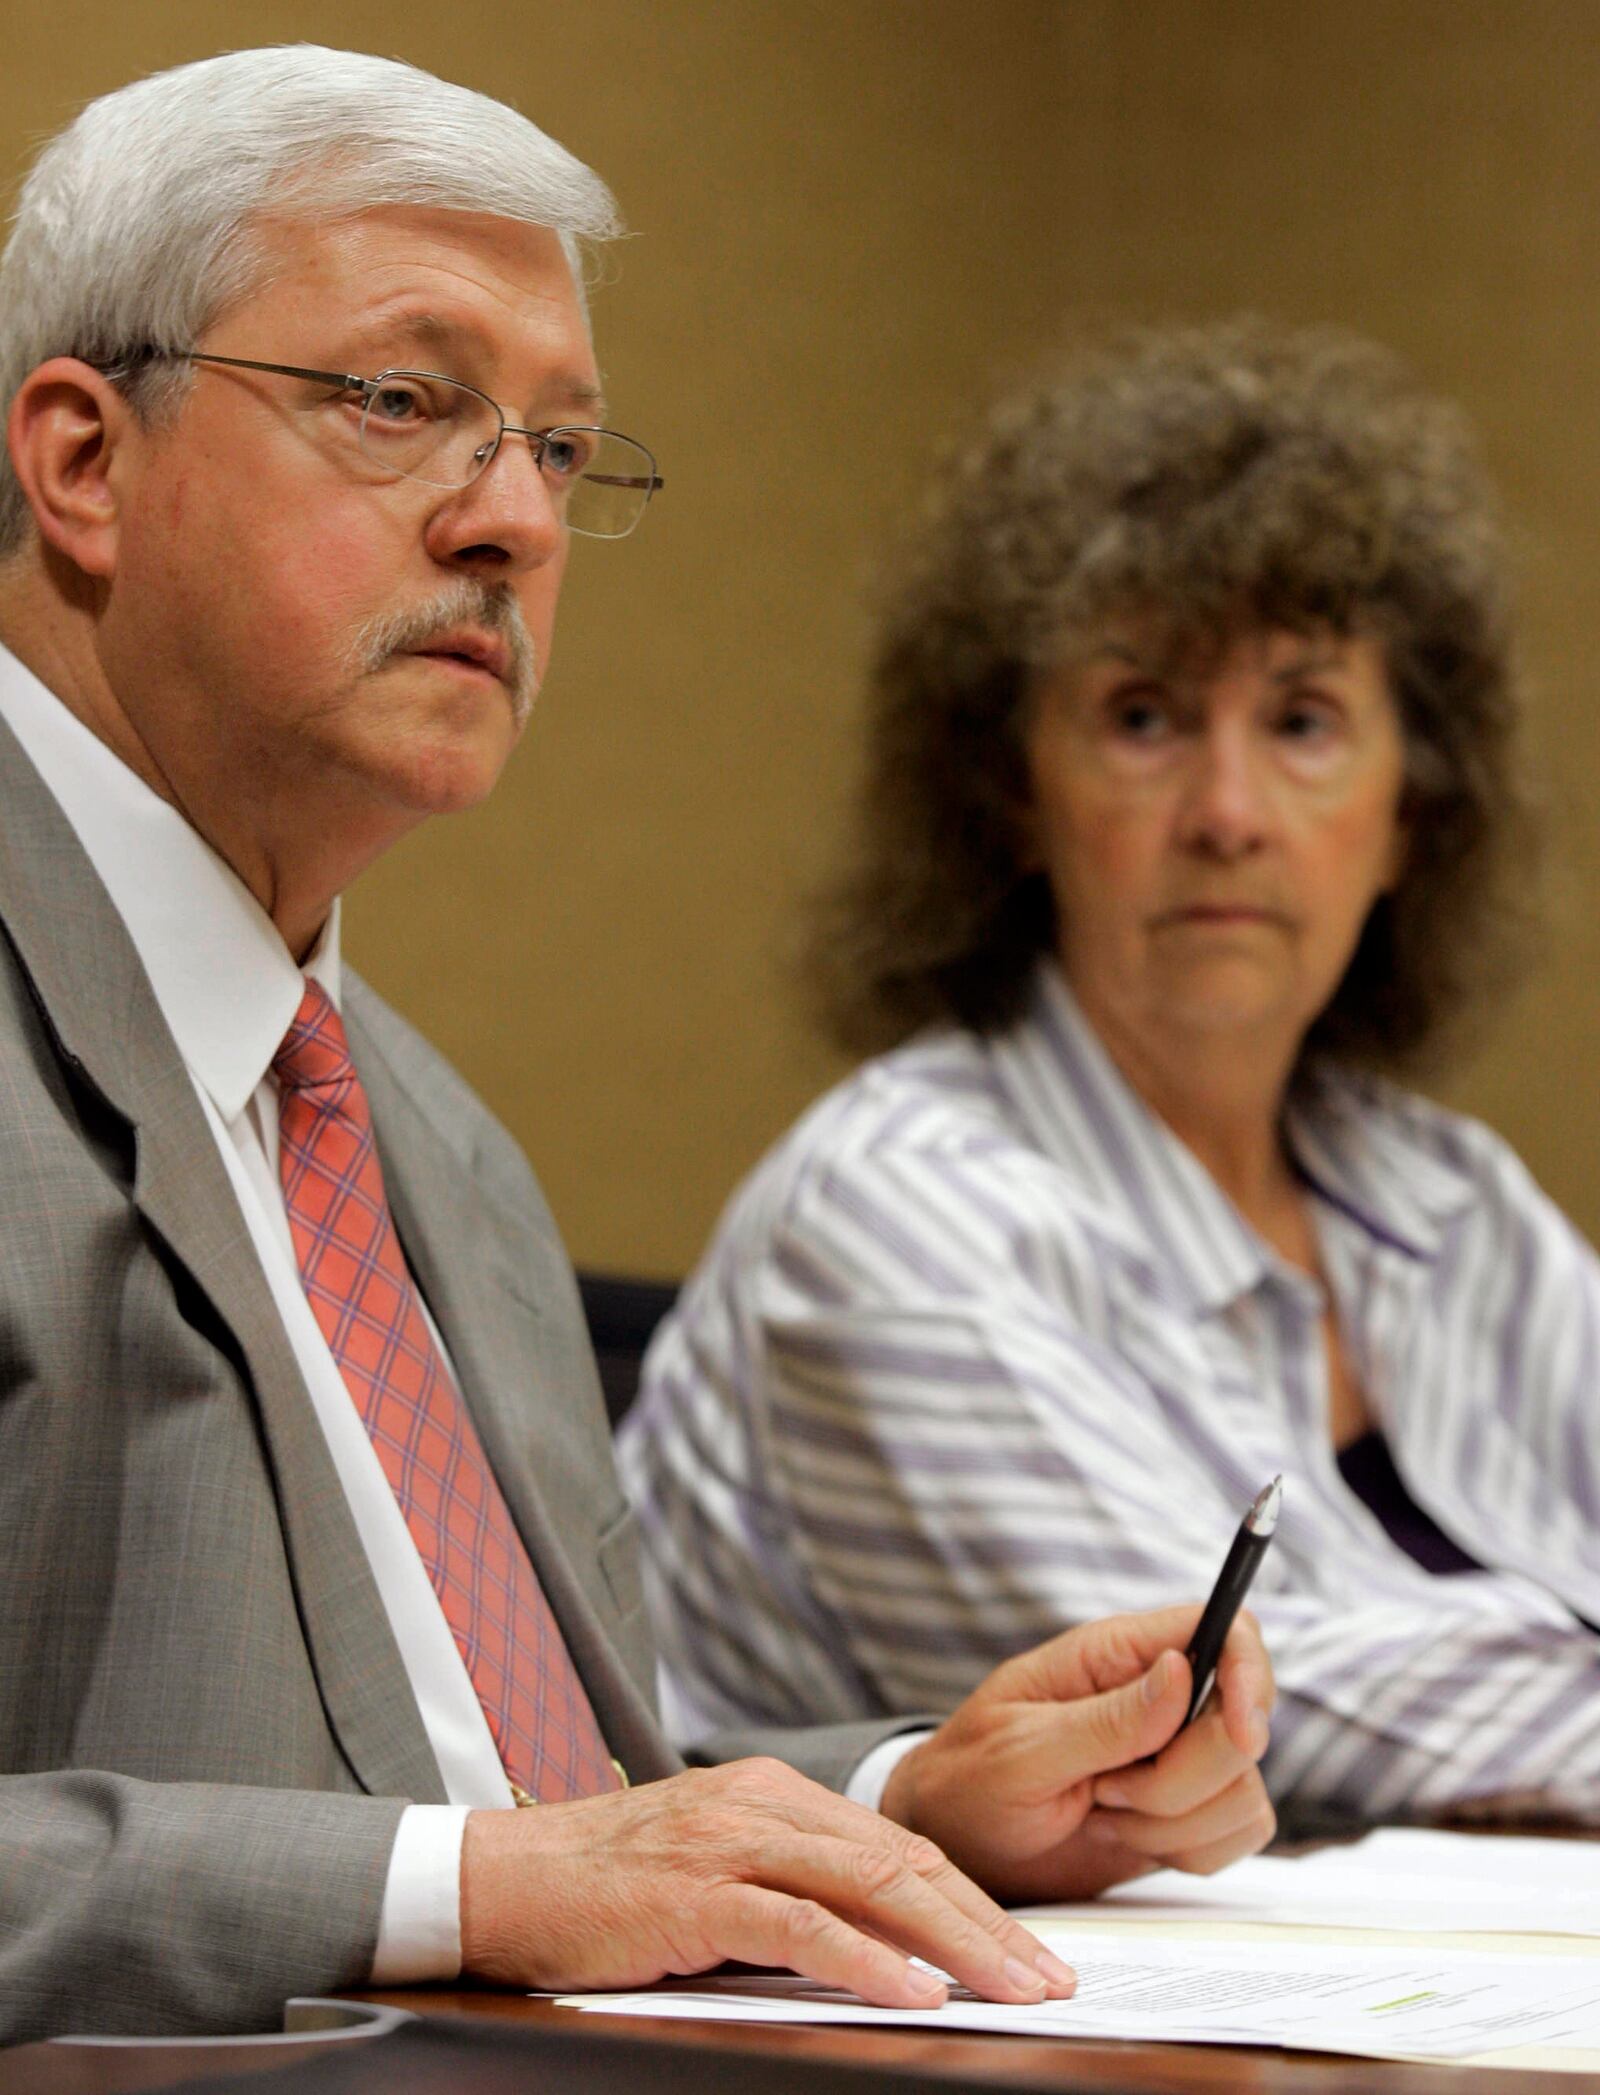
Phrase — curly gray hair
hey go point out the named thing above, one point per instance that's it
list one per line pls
(1203, 479)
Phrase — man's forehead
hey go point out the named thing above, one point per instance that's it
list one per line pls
(455, 343)
(445, 286)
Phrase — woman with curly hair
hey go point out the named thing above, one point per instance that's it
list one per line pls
(1190, 823)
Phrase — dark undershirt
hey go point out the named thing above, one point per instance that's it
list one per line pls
(1368, 1468)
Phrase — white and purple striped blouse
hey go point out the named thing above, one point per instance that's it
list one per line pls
(981, 1350)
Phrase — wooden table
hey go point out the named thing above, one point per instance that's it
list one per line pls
(933, 2057)
(1018, 2062)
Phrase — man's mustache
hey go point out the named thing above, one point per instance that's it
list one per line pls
(461, 603)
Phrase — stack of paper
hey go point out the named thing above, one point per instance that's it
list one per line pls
(1305, 1988)
(1372, 2002)
(1399, 1878)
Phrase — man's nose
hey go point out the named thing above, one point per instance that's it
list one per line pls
(1227, 806)
(505, 520)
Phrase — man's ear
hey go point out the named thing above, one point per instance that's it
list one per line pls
(67, 427)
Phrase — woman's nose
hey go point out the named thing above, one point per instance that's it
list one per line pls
(1227, 808)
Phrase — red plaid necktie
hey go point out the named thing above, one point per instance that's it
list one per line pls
(366, 1303)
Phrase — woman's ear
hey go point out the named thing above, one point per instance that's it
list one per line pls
(1021, 794)
(1025, 834)
(1400, 842)
(67, 429)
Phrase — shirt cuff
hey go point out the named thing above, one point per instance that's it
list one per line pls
(871, 1777)
(419, 1928)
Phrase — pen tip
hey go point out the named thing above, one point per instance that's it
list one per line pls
(1263, 1515)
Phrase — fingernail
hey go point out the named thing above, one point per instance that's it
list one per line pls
(926, 1985)
(1100, 1829)
(1260, 1733)
(1159, 1678)
(1109, 1793)
(1055, 1971)
(1023, 1978)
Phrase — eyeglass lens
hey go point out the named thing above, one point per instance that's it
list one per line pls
(437, 430)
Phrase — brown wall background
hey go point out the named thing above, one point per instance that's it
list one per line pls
(849, 216)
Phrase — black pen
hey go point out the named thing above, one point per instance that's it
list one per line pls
(1247, 1549)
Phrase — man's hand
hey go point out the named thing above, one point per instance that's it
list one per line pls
(1042, 1784)
(750, 1861)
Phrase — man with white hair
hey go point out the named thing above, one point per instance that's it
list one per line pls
(314, 1562)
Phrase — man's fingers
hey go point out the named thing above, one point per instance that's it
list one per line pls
(1239, 1817)
(1044, 1762)
(1245, 1687)
(1018, 1948)
(814, 1812)
(906, 1891)
(1125, 1724)
(747, 1861)
(1098, 1656)
(1199, 1762)
(1093, 1657)
(1207, 1858)
(819, 1846)
(757, 1925)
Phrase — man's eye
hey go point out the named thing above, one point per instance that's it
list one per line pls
(398, 405)
(568, 454)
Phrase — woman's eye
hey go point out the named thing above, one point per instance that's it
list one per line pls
(1140, 716)
(1306, 721)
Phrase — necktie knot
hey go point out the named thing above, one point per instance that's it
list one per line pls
(314, 1052)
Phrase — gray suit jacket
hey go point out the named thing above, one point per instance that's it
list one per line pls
(206, 1733)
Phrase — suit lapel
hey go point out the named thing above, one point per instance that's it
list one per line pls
(180, 1190)
(521, 1372)
(98, 1004)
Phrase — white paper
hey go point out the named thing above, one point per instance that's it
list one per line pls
(1398, 1878)
(1421, 2001)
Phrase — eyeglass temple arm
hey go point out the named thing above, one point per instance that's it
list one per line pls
(347, 381)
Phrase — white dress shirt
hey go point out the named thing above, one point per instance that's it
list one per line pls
(228, 988)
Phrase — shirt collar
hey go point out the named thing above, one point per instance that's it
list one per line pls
(1380, 1157)
(226, 983)
(1352, 1138)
